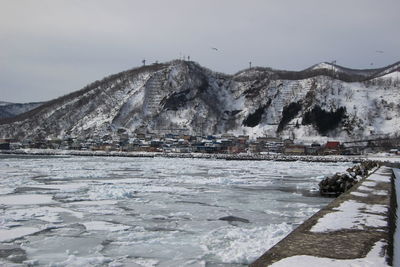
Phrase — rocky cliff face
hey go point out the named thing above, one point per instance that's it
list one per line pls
(180, 96)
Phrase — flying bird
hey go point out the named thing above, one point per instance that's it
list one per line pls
(214, 48)
(379, 51)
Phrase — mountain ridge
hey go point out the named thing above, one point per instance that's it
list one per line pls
(9, 110)
(184, 95)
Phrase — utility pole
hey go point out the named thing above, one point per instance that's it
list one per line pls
(249, 64)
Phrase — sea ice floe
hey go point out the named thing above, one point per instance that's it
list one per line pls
(106, 191)
(47, 214)
(352, 215)
(7, 235)
(110, 192)
(146, 212)
(242, 245)
(104, 226)
(65, 187)
(27, 199)
(145, 262)
(93, 203)
(77, 261)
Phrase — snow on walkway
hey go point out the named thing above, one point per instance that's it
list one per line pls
(373, 259)
(357, 214)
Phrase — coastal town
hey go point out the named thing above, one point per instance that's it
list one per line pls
(209, 144)
(187, 133)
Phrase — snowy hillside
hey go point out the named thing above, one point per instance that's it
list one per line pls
(9, 110)
(181, 96)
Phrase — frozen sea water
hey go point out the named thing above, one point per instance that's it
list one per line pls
(110, 211)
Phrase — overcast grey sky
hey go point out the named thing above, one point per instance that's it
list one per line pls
(49, 48)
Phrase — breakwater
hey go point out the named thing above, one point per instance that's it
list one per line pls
(353, 229)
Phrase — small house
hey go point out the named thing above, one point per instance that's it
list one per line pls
(332, 147)
(294, 149)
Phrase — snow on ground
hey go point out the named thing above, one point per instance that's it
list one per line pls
(380, 192)
(374, 258)
(365, 188)
(377, 177)
(325, 65)
(369, 184)
(359, 194)
(352, 215)
(357, 215)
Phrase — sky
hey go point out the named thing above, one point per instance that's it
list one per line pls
(49, 48)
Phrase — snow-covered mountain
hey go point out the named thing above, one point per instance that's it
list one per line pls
(182, 96)
(9, 110)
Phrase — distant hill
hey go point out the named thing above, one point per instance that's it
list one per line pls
(10, 110)
(323, 101)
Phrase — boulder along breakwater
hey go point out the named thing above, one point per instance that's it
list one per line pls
(341, 182)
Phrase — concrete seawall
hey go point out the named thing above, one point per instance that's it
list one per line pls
(347, 229)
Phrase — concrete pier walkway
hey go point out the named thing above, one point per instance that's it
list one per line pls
(353, 230)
